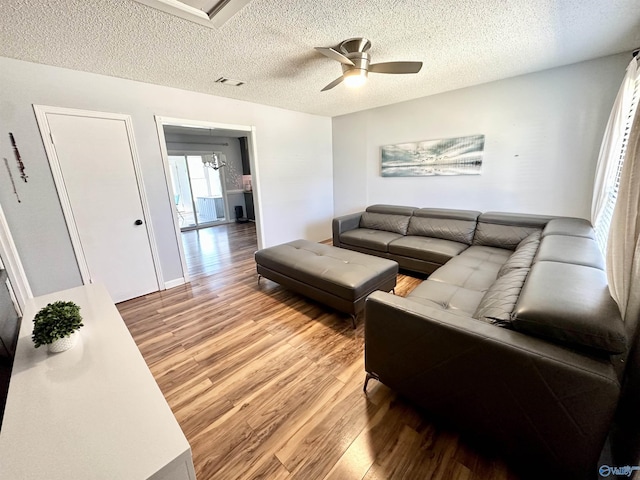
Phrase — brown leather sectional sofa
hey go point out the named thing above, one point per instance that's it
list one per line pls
(513, 336)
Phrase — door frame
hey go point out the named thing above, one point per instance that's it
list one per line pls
(41, 112)
(13, 264)
(161, 121)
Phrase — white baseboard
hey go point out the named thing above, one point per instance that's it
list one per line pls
(174, 283)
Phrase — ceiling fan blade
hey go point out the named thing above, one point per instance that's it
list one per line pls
(335, 55)
(396, 67)
(333, 84)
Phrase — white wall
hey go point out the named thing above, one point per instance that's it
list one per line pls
(542, 138)
(293, 158)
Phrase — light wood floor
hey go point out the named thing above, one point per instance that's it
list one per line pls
(266, 384)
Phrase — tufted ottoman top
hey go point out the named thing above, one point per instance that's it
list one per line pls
(343, 273)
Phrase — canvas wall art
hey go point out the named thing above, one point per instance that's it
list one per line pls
(447, 156)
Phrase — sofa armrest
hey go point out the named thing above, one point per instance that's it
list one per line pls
(535, 399)
(344, 224)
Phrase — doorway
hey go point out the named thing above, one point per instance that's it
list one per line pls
(207, 218)
(198, 190)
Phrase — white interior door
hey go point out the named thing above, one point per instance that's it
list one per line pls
(96, 160)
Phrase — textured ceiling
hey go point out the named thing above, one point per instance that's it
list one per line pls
(269, 44)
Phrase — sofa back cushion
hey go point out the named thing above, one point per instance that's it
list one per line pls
(575, 227)
(570, 304)
(385, 221)
(507, 230)
(455, 225)
(500, 299)
(391, 209)
(390, 218)
(523, 256)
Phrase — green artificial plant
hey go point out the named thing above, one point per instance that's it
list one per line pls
(55, 321)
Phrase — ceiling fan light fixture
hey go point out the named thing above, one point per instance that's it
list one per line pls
(356, 77)
(353, 55)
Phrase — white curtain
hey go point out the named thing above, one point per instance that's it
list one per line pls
(610, 150)
(623, 272)
(623, 247)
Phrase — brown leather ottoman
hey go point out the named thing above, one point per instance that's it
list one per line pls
(341, 279)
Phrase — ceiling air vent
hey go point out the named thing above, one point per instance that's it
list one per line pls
(228, 81)
(210, 13)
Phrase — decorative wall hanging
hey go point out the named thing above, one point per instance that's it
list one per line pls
(233, 178)
(448, 156)
(13, 183)
(23, 175)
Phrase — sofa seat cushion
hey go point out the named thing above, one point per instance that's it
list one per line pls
(448, 297)
(368, 238)
(476, 268)
(459, 273)
(498, 303)
(429, 249)
(567, 249)
(570, 304)
(476, 253)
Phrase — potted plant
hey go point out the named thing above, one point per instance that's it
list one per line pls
(56, 325)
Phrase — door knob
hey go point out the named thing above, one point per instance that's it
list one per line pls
(138, 222)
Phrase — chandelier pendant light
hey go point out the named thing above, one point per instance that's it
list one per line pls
(215, 162)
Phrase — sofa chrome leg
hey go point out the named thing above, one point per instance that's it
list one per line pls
(393, 290)
(354, 317)
(366, 381)
(259, 278)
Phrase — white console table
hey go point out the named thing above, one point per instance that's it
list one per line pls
(92, 412)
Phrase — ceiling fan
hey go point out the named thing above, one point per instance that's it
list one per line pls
(354, 56)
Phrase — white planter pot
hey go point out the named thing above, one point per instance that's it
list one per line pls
(63, 344)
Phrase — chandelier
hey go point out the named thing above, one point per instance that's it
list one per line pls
(214, 161)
